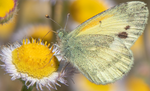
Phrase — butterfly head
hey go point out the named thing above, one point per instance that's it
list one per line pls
(61, 33)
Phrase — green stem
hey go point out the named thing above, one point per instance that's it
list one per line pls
(24, 88)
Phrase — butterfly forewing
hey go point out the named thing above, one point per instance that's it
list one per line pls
(126, 21)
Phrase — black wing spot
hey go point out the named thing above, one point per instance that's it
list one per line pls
(100, 22)
(127, 27)
(123, 35)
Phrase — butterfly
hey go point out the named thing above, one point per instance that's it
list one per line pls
(100, 47)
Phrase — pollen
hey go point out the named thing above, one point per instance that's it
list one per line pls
(35, 59)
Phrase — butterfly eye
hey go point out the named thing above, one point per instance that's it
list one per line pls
(60, 34)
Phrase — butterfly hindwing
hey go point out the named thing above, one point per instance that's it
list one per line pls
(102, 59)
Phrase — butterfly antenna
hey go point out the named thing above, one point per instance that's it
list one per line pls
(49, 32)
(68, 15)
(47, 16)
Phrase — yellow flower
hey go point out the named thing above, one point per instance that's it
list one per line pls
(40, 31)
(137, 84)
(83, 84)
(138, 48)
(7, 9)
(82, 10)
(33, 62)
(35, 31)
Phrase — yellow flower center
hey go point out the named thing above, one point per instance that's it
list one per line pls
(34, 59)
(6, 6)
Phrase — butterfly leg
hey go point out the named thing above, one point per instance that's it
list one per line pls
(56, 45)
(51, 59)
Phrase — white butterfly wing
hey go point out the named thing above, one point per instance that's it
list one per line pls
(99, 47)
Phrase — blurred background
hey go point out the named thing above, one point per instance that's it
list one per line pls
(29, 21)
